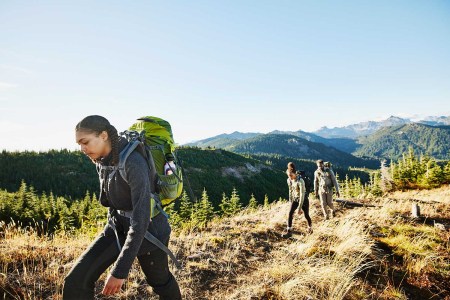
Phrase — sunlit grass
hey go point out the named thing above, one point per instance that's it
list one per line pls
(244, 257)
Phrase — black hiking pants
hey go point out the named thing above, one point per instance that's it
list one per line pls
(103, 252)
(305, 208)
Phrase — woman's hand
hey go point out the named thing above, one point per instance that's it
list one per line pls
(300, 212)
(112, 285)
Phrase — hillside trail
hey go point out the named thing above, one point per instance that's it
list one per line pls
(230, 259)
(232, 251)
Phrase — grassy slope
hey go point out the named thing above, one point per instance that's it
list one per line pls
(363, 253)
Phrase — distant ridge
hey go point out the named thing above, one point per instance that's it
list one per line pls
(369, 127)
(364, 140)
(391, 142)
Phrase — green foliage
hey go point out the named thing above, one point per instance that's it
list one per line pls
(65, 173)
(220, 171)
(235, 202)
(413, 172)
(296, 147)
(266, 201)
(203, 211)
(409, 172)
(252, 203)
(392, 142)
(50, 213)
(225, 205)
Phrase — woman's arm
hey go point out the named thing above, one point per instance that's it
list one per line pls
(139, 182)
(301, 184)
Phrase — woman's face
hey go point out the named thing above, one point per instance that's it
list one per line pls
(93, 145)
(292, 176)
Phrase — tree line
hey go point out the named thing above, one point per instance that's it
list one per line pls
(49, 213)
(411, 171)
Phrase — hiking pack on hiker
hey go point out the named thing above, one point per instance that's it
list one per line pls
(324, 181)
(298, 197)
(134, 186)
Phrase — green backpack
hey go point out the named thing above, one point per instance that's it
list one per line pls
(153, 136)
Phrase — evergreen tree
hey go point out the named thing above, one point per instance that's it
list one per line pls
(433, 176)
(175, 218)
(185, 210)
(203, 210)
(235, 202)
(225, 206)
(266, 201)
(447, 173)
(252, 203)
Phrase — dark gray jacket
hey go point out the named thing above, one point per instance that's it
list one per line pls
(132, 196)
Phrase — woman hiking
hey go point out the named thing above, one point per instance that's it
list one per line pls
(122, 240)
(297, 198)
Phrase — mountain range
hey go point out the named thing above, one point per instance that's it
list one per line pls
(353, 145)
(369, 127)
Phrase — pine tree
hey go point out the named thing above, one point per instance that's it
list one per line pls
(235, 204)
(252, 203)
(266, 201)
(185, 210)
(225, 206)
(447, 173)
(204, 211)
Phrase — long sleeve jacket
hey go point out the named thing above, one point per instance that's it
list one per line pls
(324, 180)
(133, 196)
(297, 190)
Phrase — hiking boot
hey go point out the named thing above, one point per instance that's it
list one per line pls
(287, 234)
(326, 217)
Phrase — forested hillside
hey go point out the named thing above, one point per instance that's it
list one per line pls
(63, 172)
(347, 145)
(223, 140)
(391, 142)
(296, 147)
(71, 174)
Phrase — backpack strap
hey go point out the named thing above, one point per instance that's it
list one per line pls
(134, 144)
(152, 239)
(123, 156)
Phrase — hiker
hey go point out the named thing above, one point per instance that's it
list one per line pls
(324, 181)
(122, 240)
(297, 192)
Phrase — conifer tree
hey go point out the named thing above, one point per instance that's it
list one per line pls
(266, 201)
(225, 206)
(235, 202)
(185, 210)
(447, 173)
(175, 218)
(252, 203)
(204, 211)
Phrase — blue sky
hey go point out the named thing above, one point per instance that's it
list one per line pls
(212, 67)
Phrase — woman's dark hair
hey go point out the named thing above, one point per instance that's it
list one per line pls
(97, 124)
(291, 167)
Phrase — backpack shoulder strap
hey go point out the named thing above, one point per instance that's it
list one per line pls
(123, 156)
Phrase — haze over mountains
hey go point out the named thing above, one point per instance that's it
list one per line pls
(386, 139)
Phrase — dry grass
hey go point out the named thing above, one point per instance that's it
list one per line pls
(31, 266)
(244, 257)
